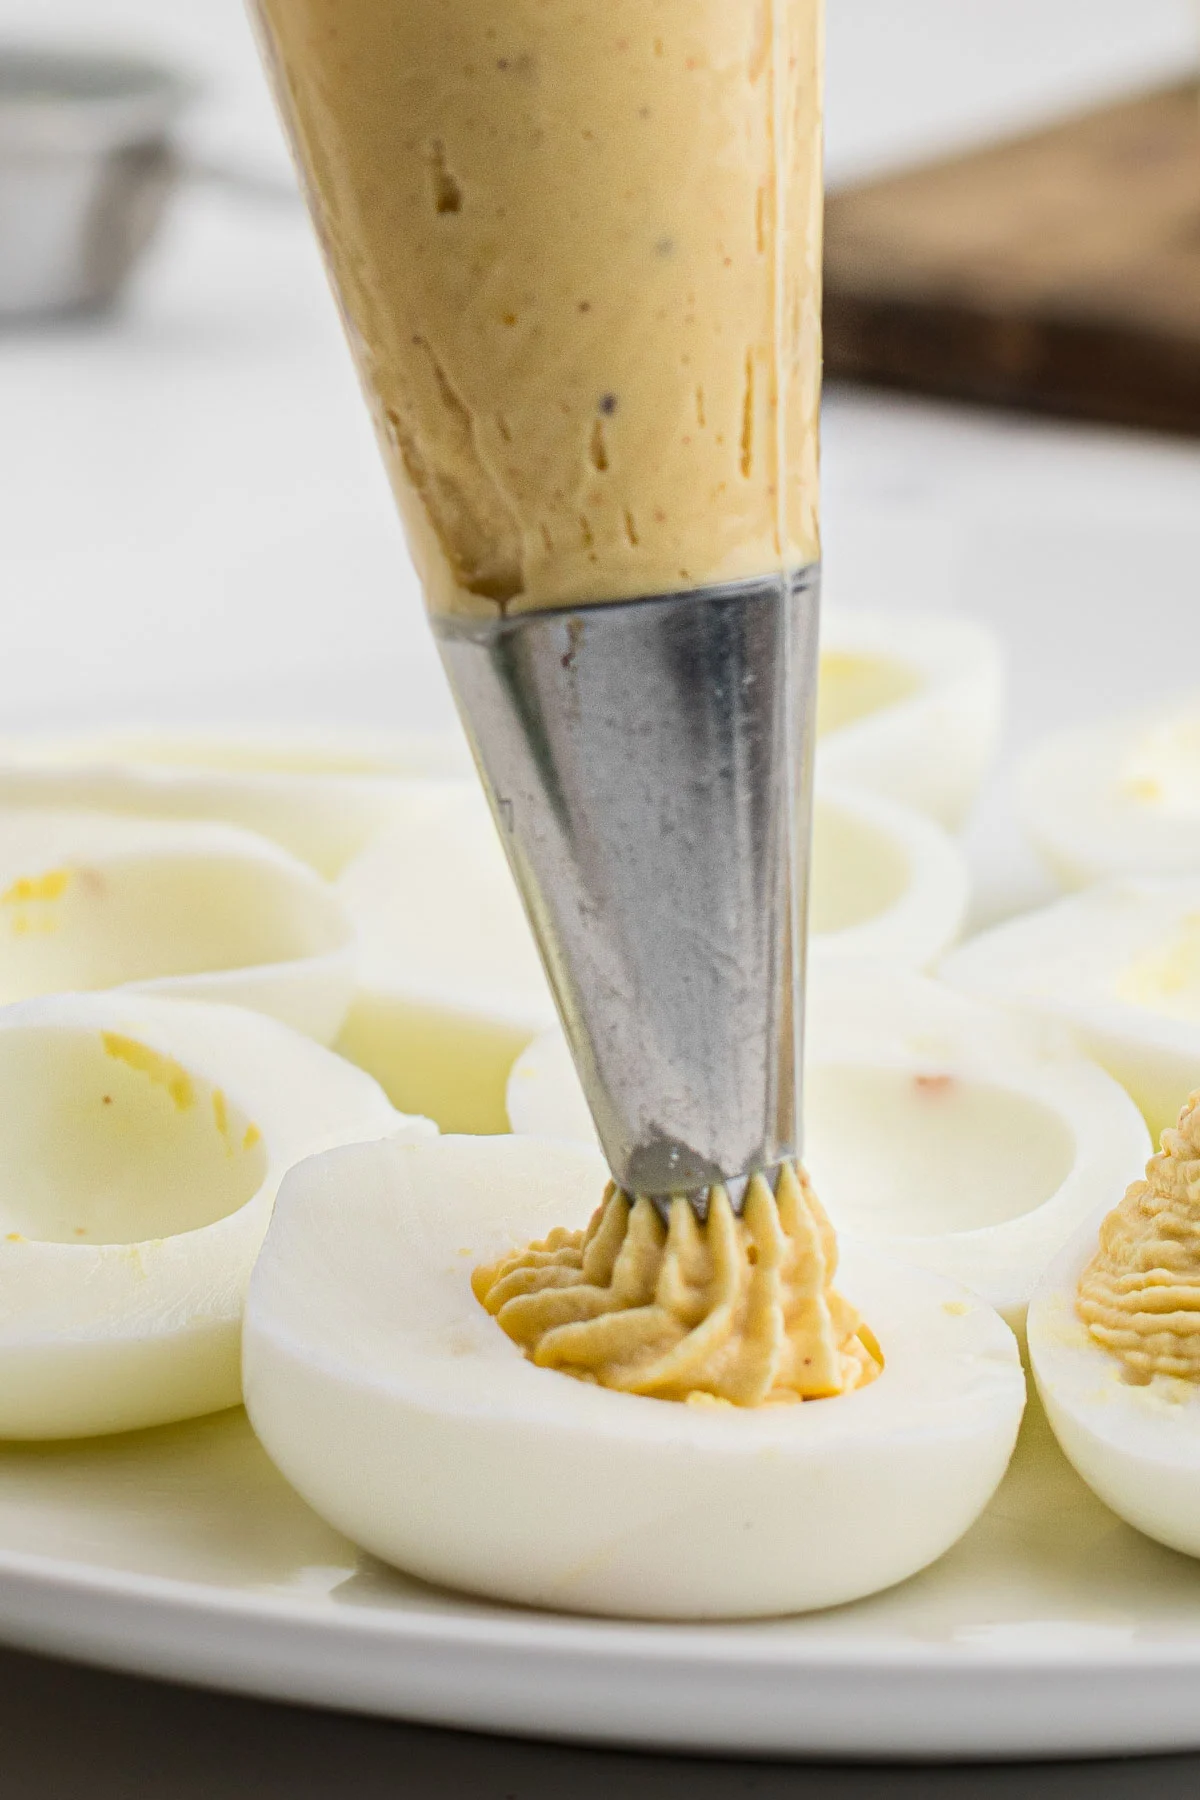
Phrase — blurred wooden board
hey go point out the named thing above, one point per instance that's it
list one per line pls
(1058, 272)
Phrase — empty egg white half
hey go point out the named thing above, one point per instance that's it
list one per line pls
(909, 707)
(141, 1145)
(450, 985)
(887, 883)
(1121, 797)
(935, 1128)
(202, 911)
(403, 1414)
(322, 795)
(1137, 1447)
(1119, 964)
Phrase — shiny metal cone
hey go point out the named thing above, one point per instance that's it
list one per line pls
(649, 766)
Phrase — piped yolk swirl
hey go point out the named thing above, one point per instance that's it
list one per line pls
(1140, 1295)
(740, 1310)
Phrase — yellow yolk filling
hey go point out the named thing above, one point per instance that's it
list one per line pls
(1140, 1294)
(579, 249)
(735, 1310)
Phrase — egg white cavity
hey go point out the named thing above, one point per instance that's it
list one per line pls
(857, 873)
(450, 985)
(1119, 797)
(101, 1145)
(909, 707)
(90, 901)
(856, 683)
(141, 1145)
(1137, 1447)
(322, 795)
(1119, 965)
(936, 1128)
(887, 883)
(406, 1417)
(983, 1156)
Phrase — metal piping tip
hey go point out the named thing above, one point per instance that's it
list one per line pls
(649, 764)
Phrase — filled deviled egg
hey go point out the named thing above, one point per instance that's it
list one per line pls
(644, 1416)
(1114, 1339)
(937, 1129)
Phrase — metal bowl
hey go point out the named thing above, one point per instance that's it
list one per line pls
(86, 165)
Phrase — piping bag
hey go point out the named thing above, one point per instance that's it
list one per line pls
(577, 250)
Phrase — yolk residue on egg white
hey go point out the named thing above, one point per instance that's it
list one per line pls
(1140, 1295)
(1167, 978)
(1163, 768)
(163, 1071)
(31, 901)
(734, 1310)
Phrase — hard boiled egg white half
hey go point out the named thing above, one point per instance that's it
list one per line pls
(1137, 1446)
(405, 1416)
(141, 1145)
(909, 707)
(450, 985)
(887, 883)
(322, 795)
(937, 1129)
(1120, 965)
(203, 911)
(1121, 797)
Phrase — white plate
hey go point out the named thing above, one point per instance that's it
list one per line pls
(1051, 1630)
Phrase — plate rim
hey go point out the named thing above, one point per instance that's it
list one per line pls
(592, 1637)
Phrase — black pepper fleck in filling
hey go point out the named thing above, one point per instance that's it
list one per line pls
(608, 405)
